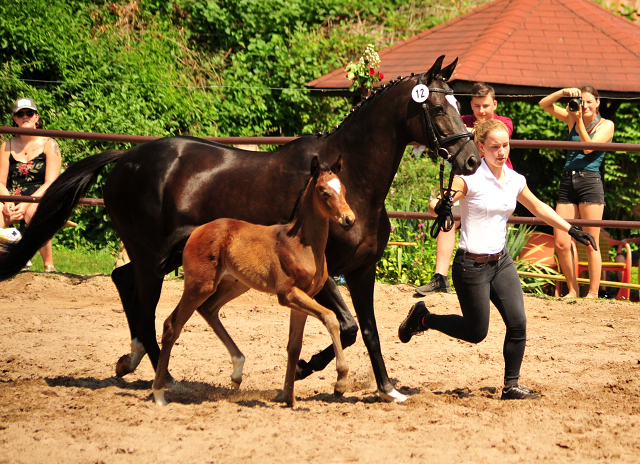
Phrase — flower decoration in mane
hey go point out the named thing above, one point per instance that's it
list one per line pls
(362, 73)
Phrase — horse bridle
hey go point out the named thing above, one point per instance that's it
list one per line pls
(437, 144)
(436, 141)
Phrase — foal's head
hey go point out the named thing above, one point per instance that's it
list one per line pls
(329, 194)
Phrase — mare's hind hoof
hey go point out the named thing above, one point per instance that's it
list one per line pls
(303, 370)
(123, 366)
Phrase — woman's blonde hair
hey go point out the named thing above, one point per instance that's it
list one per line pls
(483, 128)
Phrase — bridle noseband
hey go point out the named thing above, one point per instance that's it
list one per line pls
(437, 144)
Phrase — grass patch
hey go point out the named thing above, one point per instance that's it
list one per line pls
(78, 261)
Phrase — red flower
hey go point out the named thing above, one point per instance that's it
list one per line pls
(381, 75)
(17, 191)
(371, 71)
(24, 168)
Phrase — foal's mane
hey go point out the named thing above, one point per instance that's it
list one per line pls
(314, 178)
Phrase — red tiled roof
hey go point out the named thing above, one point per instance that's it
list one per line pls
(538, 43)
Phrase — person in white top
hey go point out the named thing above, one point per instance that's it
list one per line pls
(483, 271)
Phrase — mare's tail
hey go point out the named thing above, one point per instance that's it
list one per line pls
(170, 255)
(55, 208)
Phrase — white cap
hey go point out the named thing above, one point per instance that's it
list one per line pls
(23, 103)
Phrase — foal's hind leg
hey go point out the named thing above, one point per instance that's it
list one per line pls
(192, 297)
(227, 290)
(296, 299)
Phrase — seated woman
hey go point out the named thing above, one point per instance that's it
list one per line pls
(28, 165)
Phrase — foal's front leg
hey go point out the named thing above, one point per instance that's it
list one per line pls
(296, 299)
(297, 321)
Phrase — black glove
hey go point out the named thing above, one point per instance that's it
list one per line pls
(444, 221)
(583, 237)
(443, 207)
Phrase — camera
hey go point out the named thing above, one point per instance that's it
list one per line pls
(575, 104)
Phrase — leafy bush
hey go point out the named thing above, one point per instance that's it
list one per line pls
(231, 67)
(415, 182)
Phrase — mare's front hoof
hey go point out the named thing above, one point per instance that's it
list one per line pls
(123, 366)
(303, 370)
(235, 385)
(392, 397)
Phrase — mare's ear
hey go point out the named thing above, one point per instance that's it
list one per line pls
(435, 69)
(448, 71)
(315, 165)
(337, 166)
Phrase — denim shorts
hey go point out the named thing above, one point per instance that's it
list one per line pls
(578, 187)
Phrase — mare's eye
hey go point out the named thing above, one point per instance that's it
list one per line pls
(437, 110)
(325, 194)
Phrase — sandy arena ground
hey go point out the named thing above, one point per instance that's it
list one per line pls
(61, 402)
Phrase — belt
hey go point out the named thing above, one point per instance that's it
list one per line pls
(579, 172)
(484, 258)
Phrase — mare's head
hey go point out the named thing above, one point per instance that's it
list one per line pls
(442, 126)
(330, 194)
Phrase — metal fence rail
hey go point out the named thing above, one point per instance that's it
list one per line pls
(122, 138)
(547, 144)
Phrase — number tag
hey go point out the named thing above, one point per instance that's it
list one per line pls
(420, 93)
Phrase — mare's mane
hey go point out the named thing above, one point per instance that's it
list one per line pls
(374, 94)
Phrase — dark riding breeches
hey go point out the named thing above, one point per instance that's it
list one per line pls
(476, 285)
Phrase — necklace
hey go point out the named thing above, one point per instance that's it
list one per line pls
(27, 158)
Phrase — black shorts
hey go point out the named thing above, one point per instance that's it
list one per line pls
(578, 187)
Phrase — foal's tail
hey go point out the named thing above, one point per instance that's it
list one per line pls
(170, 255)
(53, 211)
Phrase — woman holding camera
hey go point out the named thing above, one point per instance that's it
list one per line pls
(581, 193)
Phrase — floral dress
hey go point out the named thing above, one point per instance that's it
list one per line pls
(26, 178)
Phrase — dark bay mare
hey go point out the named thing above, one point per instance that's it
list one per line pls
(222, 259)
(160, 186)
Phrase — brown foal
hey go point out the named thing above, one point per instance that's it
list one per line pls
(225, 258)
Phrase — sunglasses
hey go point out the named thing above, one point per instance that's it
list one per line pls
(29, 113)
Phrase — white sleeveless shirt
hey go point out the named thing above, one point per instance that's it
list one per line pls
(486, 207)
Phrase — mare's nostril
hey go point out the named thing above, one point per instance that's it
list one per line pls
(472, 163)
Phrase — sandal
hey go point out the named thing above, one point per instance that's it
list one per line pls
(50, 269)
